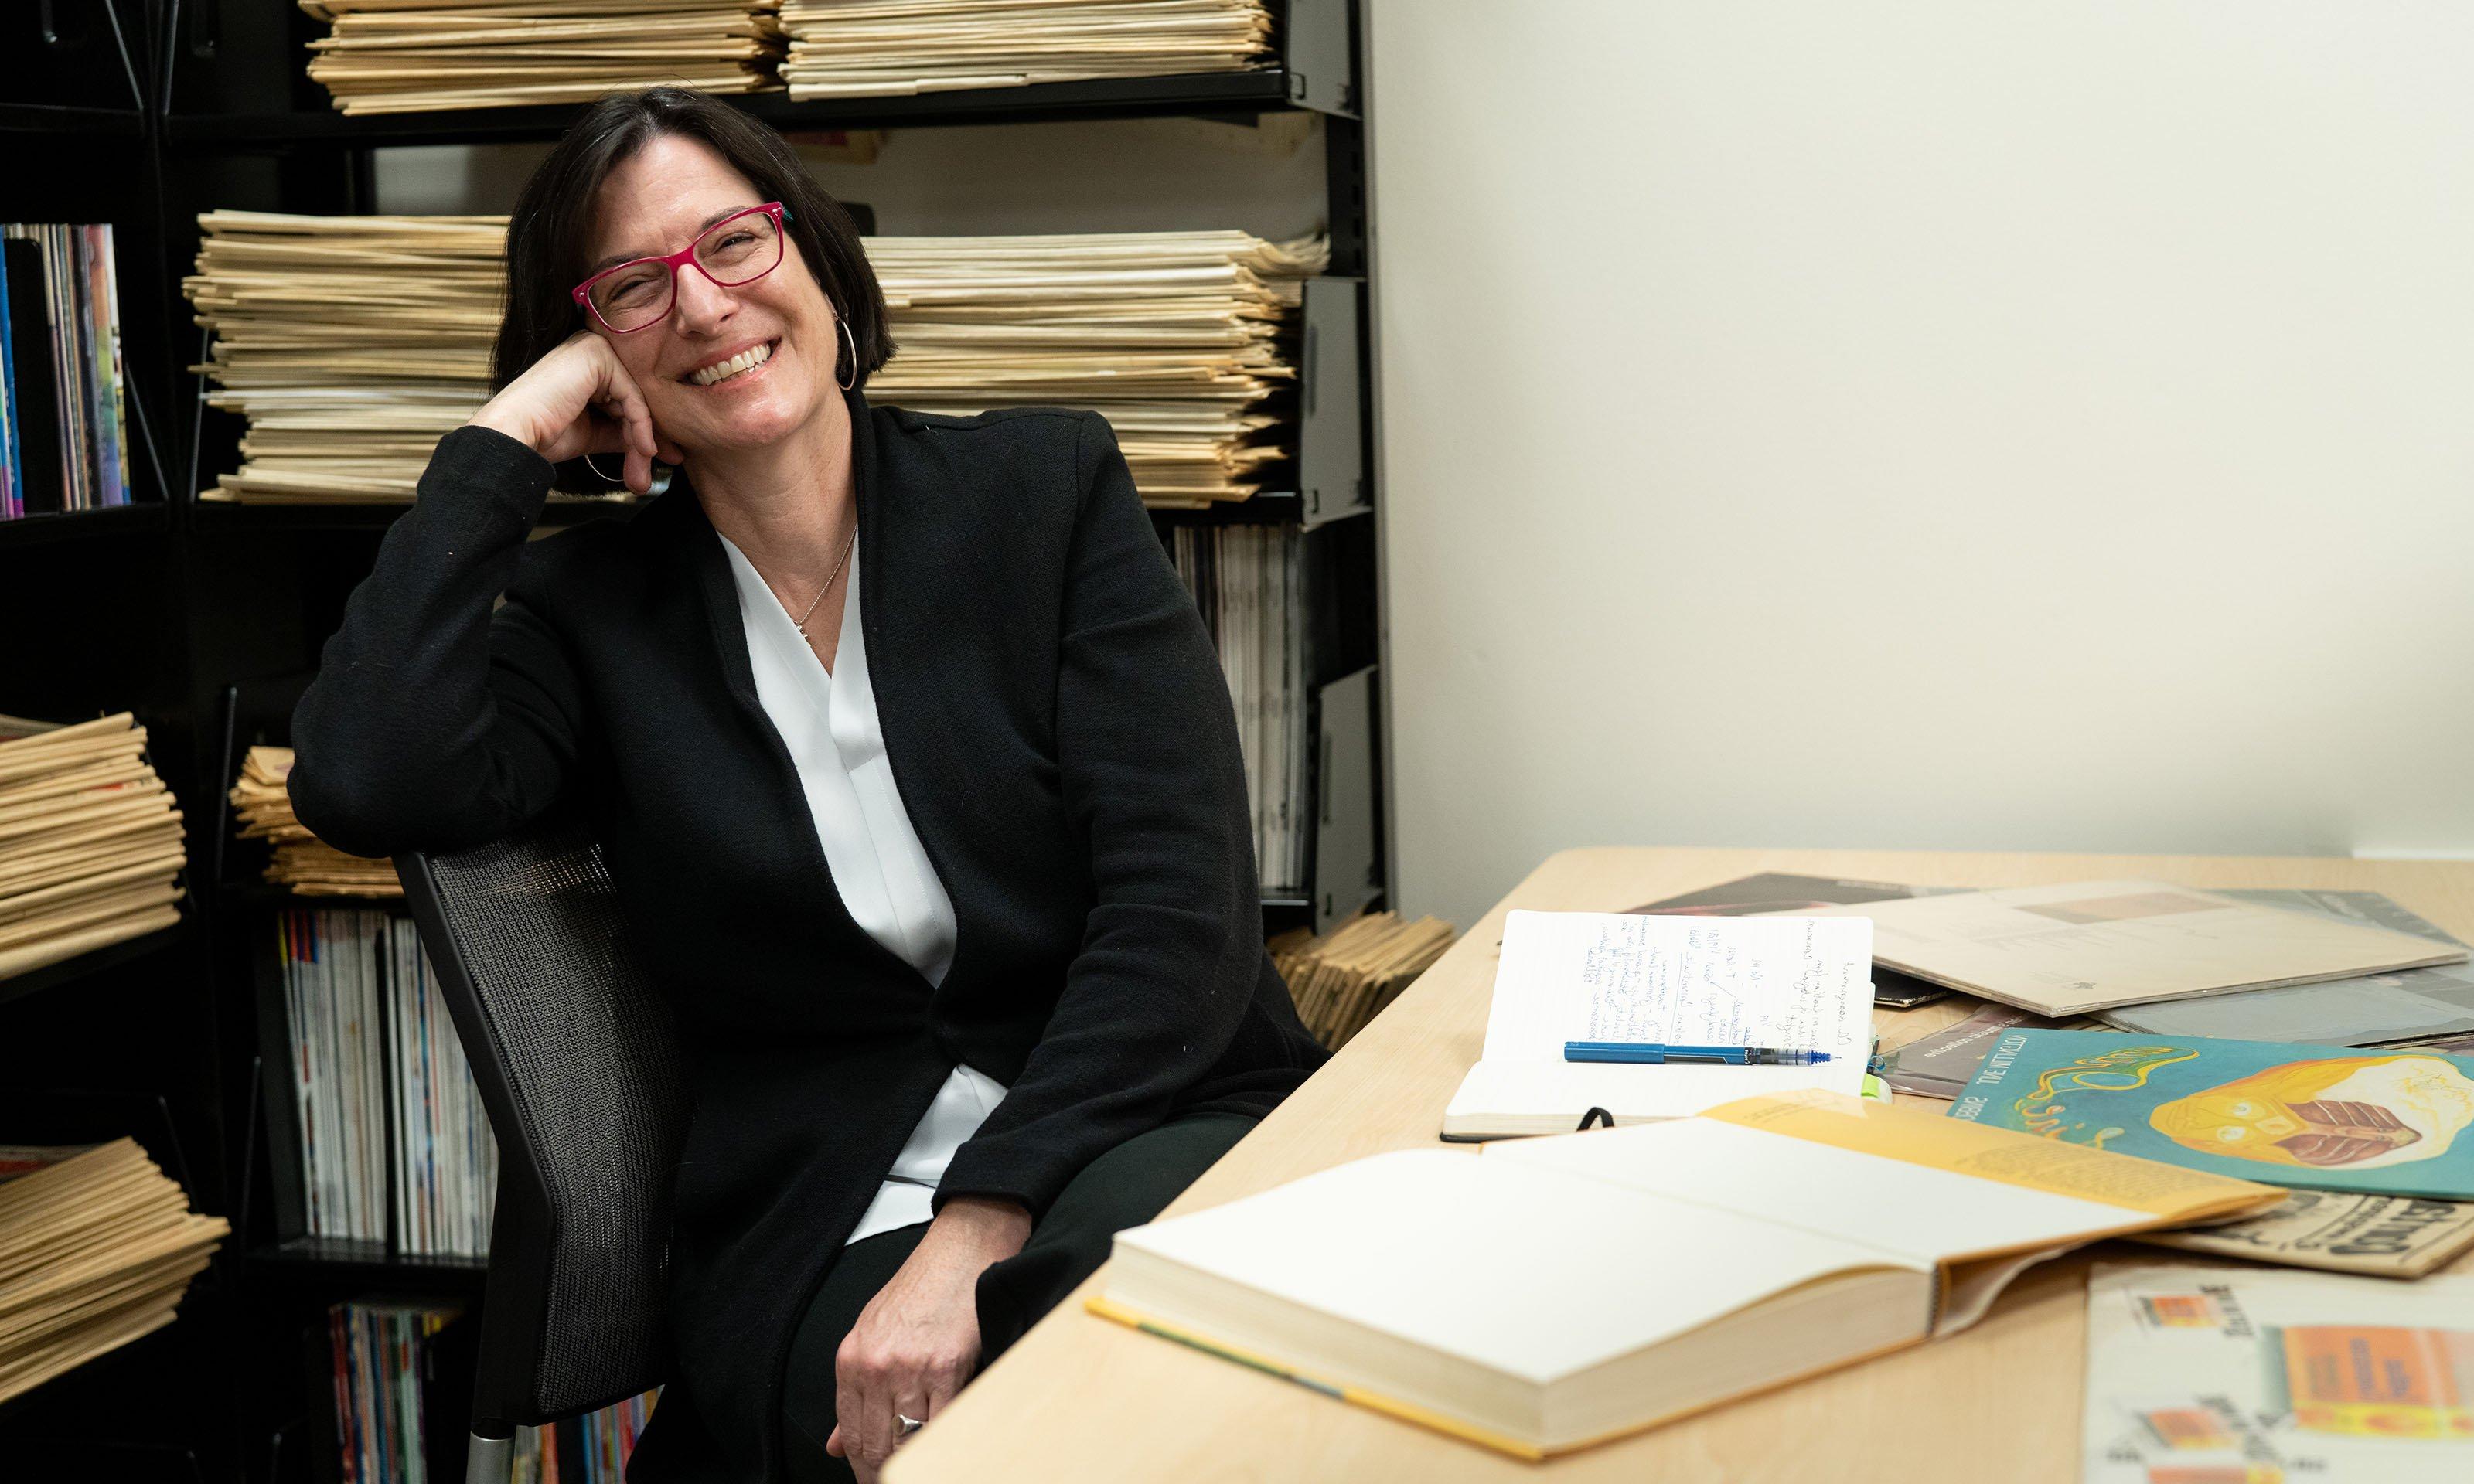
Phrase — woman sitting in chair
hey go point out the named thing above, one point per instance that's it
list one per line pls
(916, 774)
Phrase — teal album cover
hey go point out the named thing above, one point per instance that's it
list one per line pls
(2391, 1122)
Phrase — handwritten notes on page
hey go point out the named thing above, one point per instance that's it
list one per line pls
(1802, 983)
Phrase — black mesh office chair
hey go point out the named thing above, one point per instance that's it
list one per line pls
(578, 1066)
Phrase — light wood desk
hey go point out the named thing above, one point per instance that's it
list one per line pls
(1083, 1399)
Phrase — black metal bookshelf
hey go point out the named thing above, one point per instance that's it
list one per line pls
(90, 965)
(79, 525)
(41, 118)
(325, 1262)
(204, 616)
(1200, 93)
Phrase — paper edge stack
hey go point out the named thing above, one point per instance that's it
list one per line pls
(1342, 980)
(66, 1296)
(301, 863)
(93, 856)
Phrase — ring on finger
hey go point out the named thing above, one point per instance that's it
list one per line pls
(909, 1424)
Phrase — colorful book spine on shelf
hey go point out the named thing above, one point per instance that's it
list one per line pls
(395, 1146)
(380, 1361)
(63, 385)
(12, 497)
(77, 426)
(36, 438)
(589, 1450)
(101, 332)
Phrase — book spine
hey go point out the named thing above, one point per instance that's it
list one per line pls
(293, 944)
(339, 1349)
(77, 368)
(13, 498)
(410, 1354)
(1406, 1411)
(334, 1148)
(108, 254)
(95, 353)
(371, 1065)
(424, 1106)
(43, 482)
(387, 1375)
(403, 1092)
(439, 1145)
(63, 373)
(441, 1109)
(369, 1402)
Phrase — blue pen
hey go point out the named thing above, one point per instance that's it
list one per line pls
(1654, 1053)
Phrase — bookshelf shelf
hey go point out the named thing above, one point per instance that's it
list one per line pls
(1270, 509)
(85, 964)
(43, 118)
(80, 525)
(1152, 97)
(345, 1263)
(115, 1370)
(266, 897)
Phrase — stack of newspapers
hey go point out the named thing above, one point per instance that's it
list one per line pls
(90, 840)
(1342, 980)
(863, 48)
(414, 55)
(352, 344)
(1180, 339)
(303, 863)
(97, 1246)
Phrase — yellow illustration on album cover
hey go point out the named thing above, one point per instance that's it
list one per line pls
(2322, 1118)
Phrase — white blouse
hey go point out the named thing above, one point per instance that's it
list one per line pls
(829, 722)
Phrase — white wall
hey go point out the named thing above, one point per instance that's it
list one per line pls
(1932, 423)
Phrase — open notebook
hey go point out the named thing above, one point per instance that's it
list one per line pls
(1555, 1292)
(1799, 983)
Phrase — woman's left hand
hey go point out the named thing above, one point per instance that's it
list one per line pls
(917, 1341)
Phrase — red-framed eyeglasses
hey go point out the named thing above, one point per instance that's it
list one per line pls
(638, 293)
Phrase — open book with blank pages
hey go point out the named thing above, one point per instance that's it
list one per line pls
(1792, 983)
(1553, 1293)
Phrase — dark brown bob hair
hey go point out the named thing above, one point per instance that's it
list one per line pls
(554, 218)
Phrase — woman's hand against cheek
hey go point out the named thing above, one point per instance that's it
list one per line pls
(579, 400)
(918, 1339)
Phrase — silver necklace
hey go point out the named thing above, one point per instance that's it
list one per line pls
(848, 547)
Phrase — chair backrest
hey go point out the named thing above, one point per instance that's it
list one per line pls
(578, 1065)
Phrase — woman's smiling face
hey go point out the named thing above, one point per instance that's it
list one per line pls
(655, 203)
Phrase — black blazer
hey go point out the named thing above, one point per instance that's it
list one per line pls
(1061, 737)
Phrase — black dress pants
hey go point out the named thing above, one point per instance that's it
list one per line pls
(1124, 1187)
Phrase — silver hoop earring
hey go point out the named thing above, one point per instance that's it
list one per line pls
(854, 353)
(659, 485)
